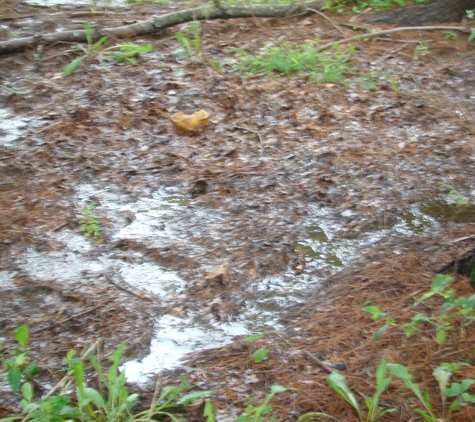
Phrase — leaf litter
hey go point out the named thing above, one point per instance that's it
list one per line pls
(297, 205)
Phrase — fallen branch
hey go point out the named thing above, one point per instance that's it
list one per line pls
(392, 31)
(457, 262)
(158, 23)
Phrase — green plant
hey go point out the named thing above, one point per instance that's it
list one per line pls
(442, 374)
(325, 66)
(111, 402)
(451, 35)
(208, 412)
(190, 47)
(401, 372)
(454, 307)
(472, 34)
(376, 4)
(260, 354)
(254, 413)
(334, 6)
(422, 49)
(19, 367)
(393, 83)
(124, 52)
(455, 194)
(374, 412)
(376, 315)
(456, 389)
(89, 225)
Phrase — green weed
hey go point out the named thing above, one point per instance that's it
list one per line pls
(471, 16)
(111, 402)
(362, 5)
(451, 35)
(123, 52)
(462, 309)
(455, 194)
(260, 354)
(209, 412)
(190, 47)
(374, 412)
(376, 4)
(422, 49)
(338, 383)
(337, 6)
(88, 224)
(376, 315)
(253, 413)
(442, 374)
(20, 370)
(327, 67)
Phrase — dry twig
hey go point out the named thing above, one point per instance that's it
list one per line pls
(257, 133)
(328, 19)
(392, 31)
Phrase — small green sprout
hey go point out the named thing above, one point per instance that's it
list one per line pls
(88, 224)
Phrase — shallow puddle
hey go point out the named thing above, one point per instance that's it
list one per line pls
(444, 212)
(11, 127)
(165, 217)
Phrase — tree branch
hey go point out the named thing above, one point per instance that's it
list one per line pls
(392, 31)
(158, 23)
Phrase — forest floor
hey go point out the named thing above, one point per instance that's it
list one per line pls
(301, 202)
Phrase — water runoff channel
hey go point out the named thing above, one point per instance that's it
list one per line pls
(159, 217)
(158, 220)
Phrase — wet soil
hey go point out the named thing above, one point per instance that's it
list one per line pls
(233, 220)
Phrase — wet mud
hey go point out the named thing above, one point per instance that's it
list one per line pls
(222, 233)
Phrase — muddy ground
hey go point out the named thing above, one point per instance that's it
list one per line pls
(366, 156)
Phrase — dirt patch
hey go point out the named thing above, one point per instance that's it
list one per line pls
(278, 154)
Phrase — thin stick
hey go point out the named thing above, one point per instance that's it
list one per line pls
(460, 239)
(257, 133)
(392, 31)
(327, 18)
(155, 395)
(130, 292)
(317, 361)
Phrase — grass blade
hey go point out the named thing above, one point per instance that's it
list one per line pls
(71, 67)
(338, 383)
